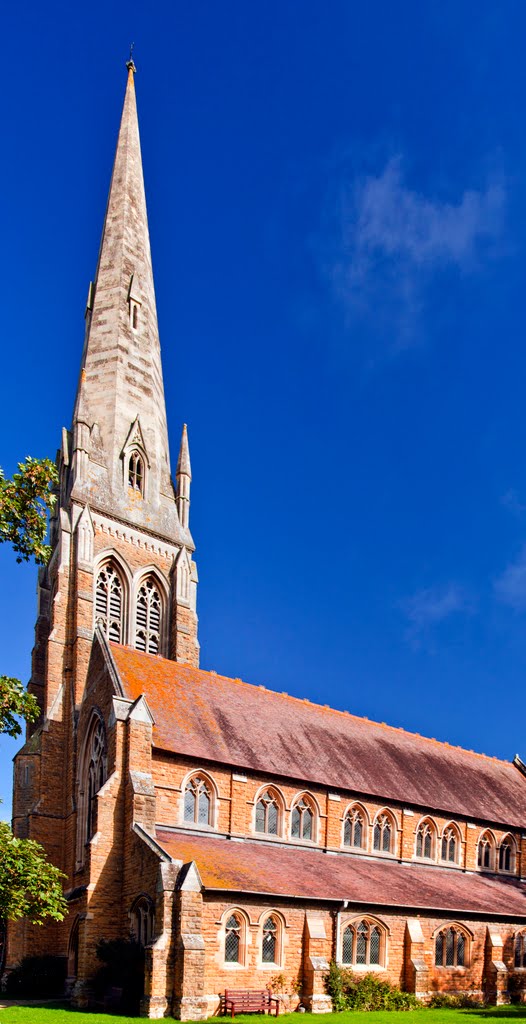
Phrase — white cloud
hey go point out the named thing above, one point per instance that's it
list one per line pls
(510, 586)
(391, 238)
(429, 607)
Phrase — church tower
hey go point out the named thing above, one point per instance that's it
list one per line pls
(122, 551)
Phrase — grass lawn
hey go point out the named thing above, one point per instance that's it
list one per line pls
(49, 1014)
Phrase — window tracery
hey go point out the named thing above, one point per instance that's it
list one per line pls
(198, 801)
(363, 944)
(354, 828)
(269, 941)
(486, 852)
(233, 930)
(142, 924)
(507, 850)
(109, 603)
(451, 948)
(450, 845)
(267, 819)
(425, 840)
(383, 833)
(148, 617)
(303, 820)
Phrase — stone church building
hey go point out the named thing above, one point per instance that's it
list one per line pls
(243, 836)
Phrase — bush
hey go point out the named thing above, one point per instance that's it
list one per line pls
(441, 1000)
(367, 992)
(37, 977)
(121, 978)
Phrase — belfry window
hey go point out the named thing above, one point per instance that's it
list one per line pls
(302, 820)
(383, 833)
(450, 948)
(362, 944)
(267, 814)
(136, 472)
(354, 829)
(148, 618)
(197, 802)
(109, 603)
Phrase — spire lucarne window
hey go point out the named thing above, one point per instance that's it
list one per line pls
(109, 603)
(148, 618)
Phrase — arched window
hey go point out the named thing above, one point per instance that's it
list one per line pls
(451, 948)
(109, 603)
(354, 828)
(198, 801)
(73, 951)
(269, 941)
(363, 944)
(383, 833)
(148, 618)
(268, 814)
(507, 854)
(450, 845)
(426, 840)
(520, 949)
(303, 820)
(142, 920)
(96, 775)
(233, 929)
(135, 315)
(136, 472)
(486, 852)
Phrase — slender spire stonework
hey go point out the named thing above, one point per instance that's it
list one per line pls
(120, 407)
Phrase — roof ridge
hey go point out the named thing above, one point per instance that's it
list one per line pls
(321, 707)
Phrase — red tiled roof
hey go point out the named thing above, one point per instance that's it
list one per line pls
(280, 871)
(207, 716)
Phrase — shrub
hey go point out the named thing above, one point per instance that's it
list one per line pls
(441, 1000)
(367, 992)
(37, 977)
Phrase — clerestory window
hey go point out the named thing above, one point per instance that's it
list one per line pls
(450, 845)
(198, 801)
(354, 828)
(268, 814)
(425, 840)
(148, 614)
(507, 854)
(486, 852)
(302, 820)
(383, 834)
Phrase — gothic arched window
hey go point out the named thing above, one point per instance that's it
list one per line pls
(450, 845)
(148, 615)
(269, 941)
(354, 828)
(96, 774)
(109, 603)
(520, 949)
(363, 943)
(198, 801)
(142, 920)
(136, 472)
(233, 928)
(507, 854)
(268, 814)
(383, 833)
(486, 852)
(303, 820)
(451, 948)
(426, 840)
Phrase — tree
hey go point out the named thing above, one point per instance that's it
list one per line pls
(25, 502)
(30, 886)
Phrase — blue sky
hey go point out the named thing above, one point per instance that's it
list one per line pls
(337, 203)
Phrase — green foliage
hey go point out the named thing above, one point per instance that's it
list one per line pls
(123, 970)
(30, 886)
(367, 992)
(15, 700)
(24, 505)
(441, 1000)
(37, 977)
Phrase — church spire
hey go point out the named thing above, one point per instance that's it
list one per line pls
(120, 459)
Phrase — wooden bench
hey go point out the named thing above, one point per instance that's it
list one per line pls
(248, 1000)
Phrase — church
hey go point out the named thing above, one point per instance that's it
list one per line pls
(243, 837)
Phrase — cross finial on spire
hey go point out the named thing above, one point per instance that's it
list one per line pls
(129, 63)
